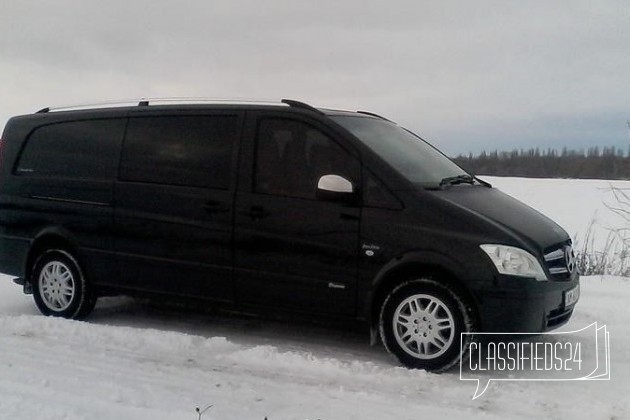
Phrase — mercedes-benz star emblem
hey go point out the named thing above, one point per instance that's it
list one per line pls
(570, 259)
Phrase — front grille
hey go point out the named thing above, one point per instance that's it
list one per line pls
(560, 261)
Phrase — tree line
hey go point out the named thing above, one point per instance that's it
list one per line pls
(596, 163)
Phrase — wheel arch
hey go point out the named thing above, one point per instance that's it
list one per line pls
(437, 267)
(49, 238)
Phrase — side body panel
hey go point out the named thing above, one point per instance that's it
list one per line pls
(177, 239)
(293, 253)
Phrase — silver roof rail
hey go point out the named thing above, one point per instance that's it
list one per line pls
(168, 101)
(302, 105)
(106, 104)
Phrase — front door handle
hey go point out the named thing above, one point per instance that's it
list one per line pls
(256, 212)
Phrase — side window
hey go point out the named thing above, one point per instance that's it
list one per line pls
(291, 156)
(180, 150)
(77, 150)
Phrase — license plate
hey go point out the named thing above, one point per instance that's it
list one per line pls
(571, 296)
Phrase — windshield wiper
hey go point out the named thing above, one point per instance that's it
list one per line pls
(459, 179)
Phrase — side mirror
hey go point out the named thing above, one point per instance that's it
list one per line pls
(335, 188)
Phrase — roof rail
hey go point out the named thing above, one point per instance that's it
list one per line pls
(302, 105)
(158, 101)
(373, 115)
(105, 104)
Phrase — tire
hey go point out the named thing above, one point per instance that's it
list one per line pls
(421, 322)
(59, 286)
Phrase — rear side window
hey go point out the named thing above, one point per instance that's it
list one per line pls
(78, 150)
(180, 150)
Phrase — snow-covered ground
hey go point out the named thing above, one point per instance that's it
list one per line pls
(136, 360)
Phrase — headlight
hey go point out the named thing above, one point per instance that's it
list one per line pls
(514, 261)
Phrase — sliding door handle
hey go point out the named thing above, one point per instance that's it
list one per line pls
(213, 206)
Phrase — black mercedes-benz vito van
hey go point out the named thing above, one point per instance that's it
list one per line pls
(279, 206)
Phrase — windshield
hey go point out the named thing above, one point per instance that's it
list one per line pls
(414, 158)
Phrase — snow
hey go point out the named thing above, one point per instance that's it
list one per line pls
(137, 360)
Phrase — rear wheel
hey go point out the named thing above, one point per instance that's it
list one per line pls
(60, 287)
(421, 324)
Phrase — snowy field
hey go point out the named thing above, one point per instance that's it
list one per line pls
(135, 360)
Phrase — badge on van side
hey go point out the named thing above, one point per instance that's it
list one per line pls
(370, 249)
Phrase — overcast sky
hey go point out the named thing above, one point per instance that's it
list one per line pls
(466, 75)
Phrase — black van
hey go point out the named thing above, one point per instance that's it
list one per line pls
(275, 206)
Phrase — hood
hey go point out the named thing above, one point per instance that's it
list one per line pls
(512, 215)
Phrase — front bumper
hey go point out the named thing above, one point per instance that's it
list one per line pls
(519, 305)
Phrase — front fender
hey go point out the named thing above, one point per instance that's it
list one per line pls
(455, 273)
(416, 258)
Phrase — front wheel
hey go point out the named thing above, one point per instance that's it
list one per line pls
(60, 287)
(421, 324)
